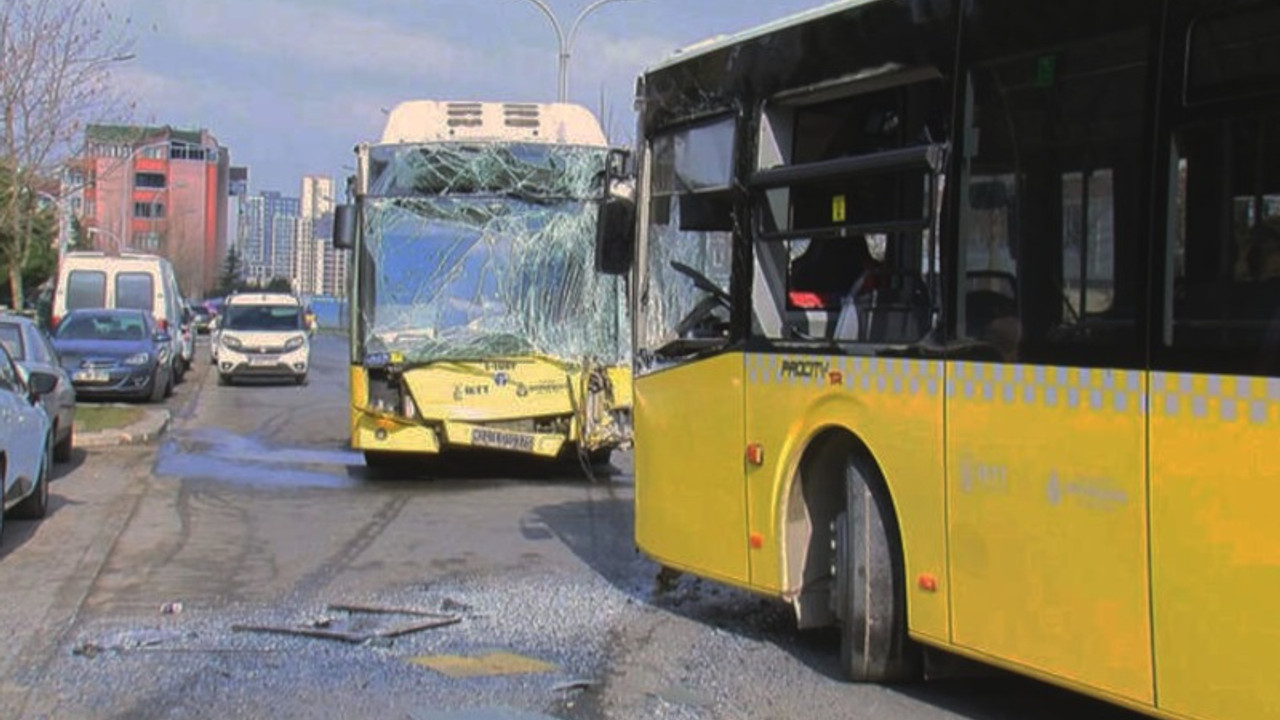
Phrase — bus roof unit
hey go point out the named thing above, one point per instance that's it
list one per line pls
(418, 121)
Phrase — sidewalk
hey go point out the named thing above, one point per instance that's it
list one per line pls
(153, 423)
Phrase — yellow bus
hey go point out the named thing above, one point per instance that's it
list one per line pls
(957, 326)
(477, 321)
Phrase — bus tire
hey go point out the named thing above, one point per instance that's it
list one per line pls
(870, 592)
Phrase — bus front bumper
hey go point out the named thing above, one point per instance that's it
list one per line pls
(386, 434)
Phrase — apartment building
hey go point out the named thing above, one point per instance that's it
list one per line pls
(155, 189)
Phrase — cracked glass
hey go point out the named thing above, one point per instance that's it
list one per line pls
(484, 250)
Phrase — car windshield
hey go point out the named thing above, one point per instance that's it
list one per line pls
(11, 338)
(262, 317)
(102, 327)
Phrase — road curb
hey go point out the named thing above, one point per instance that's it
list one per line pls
(150, 427)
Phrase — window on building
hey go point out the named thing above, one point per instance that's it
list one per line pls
(152, 210)
(147, 241)
(149, 180)
(181, 151)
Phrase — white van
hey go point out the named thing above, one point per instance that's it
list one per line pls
(128, 280)
(262, 335)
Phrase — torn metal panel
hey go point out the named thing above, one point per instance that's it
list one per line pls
(476, 251)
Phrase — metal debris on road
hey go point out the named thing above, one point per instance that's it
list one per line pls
(353, 629)
(575, 684)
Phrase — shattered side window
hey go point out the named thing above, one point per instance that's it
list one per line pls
(487, 250)
(689, 233)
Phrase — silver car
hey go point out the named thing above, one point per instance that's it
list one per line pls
(26, 441)
(29, 346)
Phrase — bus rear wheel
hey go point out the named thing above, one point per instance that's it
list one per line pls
(870, 597)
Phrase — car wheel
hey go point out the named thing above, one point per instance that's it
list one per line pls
(168, 386)
(62, 451)
(224, 379)
(301, 379)
(157, 387)
(37, 503)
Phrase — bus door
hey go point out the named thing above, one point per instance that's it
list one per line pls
(688, 387)
(1046, 425)
(1215, 391)
(844, 285)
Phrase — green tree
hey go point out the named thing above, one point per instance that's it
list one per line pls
(279, 284)
(27, 247)
(55, 57)
(78, 236)
(231, 279)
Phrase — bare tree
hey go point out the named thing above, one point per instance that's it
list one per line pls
(55, 66)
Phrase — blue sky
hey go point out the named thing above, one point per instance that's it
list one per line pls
(290, 86)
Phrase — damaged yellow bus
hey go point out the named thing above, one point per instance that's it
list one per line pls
(957, 326)
(477, 321)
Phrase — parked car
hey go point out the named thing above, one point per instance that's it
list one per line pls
(90, 279)
(262, 335)
(201, 318)
(30, 347)
(116, 353)
(26, 440)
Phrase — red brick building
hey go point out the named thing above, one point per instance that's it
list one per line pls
(155, 190)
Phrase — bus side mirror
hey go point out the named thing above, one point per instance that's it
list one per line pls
(616, 235)
(344, 227)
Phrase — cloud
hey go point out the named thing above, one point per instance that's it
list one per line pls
(322, 38)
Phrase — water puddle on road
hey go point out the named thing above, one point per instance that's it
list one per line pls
(222, 455)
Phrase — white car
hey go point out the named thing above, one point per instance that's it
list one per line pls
(26, 440)
(262, 335)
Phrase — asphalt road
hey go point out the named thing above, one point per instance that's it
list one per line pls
(148, 590)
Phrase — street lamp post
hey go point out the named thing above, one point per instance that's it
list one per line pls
(102, 230)
(565, 41)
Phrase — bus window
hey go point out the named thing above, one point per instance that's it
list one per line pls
(688, 249)
(1224, 254)
(851, 197)
(1051, 219)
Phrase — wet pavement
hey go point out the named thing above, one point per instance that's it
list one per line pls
(158, 585)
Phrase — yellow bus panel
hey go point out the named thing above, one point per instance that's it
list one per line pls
(1215, 488)
(1048, 499)
(690, 502)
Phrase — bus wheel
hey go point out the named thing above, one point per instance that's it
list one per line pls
(870, 597)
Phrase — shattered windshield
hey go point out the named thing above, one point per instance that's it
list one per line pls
(688, 241)
(482, 251)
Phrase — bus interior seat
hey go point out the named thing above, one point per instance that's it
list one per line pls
(895, 310)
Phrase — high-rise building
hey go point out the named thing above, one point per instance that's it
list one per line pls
(319, 269)
(267, 254)
(159, 190)
(317, 203)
